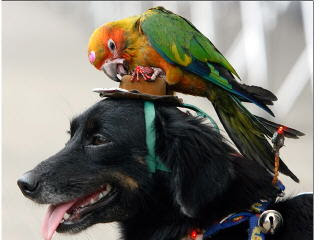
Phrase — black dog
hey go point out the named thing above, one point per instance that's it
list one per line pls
(101, 176)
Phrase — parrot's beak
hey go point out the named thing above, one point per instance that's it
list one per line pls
(113, 68)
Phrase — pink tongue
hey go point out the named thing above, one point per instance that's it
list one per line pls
(53, 217)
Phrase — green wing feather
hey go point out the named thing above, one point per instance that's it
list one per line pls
(179, 42)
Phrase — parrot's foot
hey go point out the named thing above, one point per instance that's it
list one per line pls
(148, 73)
(156, 73)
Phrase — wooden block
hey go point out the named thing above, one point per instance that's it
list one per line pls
(157, 87)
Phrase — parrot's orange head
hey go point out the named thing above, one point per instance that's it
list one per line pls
(105, 50)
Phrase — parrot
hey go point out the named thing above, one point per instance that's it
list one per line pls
(161, 42)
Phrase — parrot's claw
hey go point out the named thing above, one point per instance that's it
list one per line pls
(148, 73)
(156, 73)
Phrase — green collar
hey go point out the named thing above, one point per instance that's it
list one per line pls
(153, 160)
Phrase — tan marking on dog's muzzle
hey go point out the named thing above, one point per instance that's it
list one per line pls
(141, 160)
(126, 181)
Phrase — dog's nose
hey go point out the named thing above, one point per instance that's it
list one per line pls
(28, 184)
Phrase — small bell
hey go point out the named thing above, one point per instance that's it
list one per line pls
(270, 221)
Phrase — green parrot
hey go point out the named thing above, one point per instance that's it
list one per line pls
(159, 39)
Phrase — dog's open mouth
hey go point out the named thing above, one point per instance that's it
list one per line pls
(67, 216)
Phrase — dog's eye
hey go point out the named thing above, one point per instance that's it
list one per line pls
(98, 139)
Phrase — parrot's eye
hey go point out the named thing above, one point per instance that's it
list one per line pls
(111, 45)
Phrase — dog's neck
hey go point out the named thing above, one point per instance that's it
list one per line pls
(157, 221)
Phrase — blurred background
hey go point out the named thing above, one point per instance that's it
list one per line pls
(47, 79)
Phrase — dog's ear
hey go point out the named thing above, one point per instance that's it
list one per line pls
(197, 156)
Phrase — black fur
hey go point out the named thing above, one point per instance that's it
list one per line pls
(208, 178)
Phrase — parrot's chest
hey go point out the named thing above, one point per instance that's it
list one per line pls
(146, 56)
(179, 80)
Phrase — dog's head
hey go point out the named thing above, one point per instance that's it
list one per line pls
(101, 174)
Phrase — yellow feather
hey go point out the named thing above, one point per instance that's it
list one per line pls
(184, 61)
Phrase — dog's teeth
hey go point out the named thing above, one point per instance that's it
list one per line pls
(62, 220)
(108, 188)
(104, 193)
(66, 216)
(92, 201)
(101, 195)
